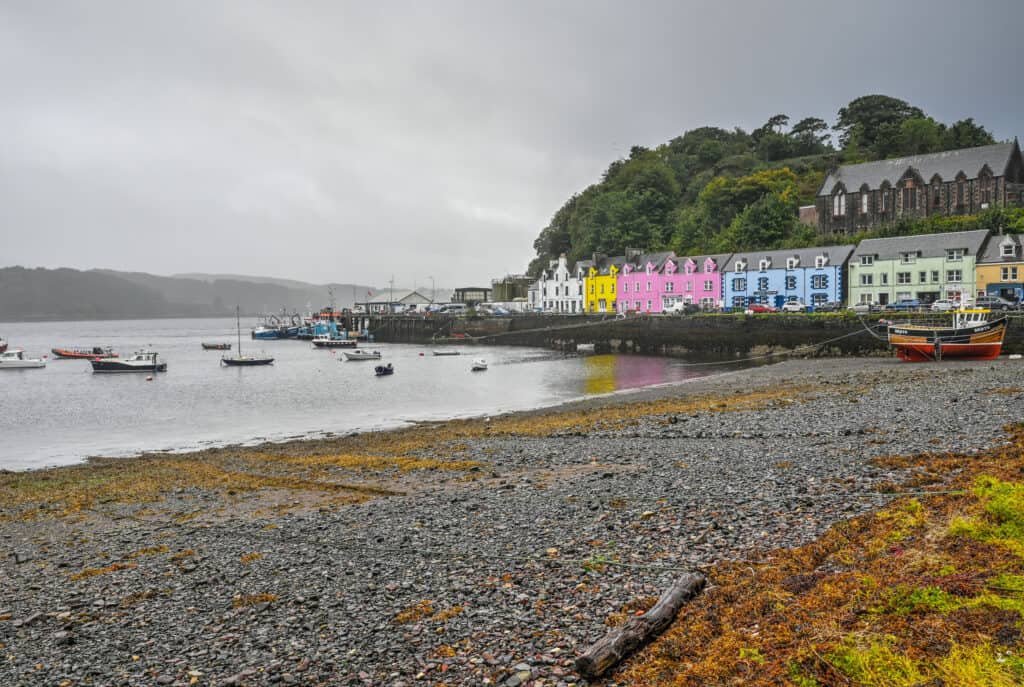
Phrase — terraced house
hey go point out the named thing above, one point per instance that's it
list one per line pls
(955, 182)
(925, 267)
(1000, 270)
(694, 280)
(560, 287)
(600, 283)
(813, 276)
(641, 282)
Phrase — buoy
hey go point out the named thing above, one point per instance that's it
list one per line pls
(149, 378)
(421, 354)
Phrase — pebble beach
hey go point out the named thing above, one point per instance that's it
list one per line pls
(489, 551)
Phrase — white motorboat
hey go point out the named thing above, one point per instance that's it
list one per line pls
(360, 354)
(479, 365)
(140, 361)
(15, 360)
(328, 341)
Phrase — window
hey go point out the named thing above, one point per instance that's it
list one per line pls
(908, 258)
(960, 194)
(1007, 250)
(953, 275)
(689, 286)
(709, 285)
(648, 286)
(591, 288)
(867, 279)
(864, 202)
(955, 254)
(865, 298)
(602, 288)
(790, 283)
(613, 287)
(903, 296)
(903, 277)
(648, 306)
(764, 264)
(818, 299)
(839, 204)
(820, 262)
(936, 195)
(762, 283)
(867, 260)
(885, 277)
(636, 305)
(884, 199)
(819, 281)
(741, 266)
(922, 277)
(669, 286)
(739, 284)
(689, 268)
(909, 198)
(791, 263)
(580, 289)
(739, 302)
(1009, 274)
(935, 276)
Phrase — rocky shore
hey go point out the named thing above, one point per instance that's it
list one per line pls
(465, 553)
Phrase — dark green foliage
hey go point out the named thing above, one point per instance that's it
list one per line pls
(715, 189)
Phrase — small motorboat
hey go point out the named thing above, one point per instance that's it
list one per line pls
(447, 351)
(479, 365)
(384, 370)
(3, 344)
(216, 346)
(333, 342)
(15, 360)
(360, 354)
(140, 361)
(84, 353)
(584, 348)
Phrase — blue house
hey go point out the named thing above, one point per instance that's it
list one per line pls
(812, 276)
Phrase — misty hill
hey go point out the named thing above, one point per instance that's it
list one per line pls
(67, 294)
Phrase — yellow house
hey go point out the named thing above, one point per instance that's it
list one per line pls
(599, 285)
(1000, 268)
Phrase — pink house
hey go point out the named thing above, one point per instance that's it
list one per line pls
(654, 282)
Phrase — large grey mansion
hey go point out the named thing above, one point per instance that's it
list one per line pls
(956, 182)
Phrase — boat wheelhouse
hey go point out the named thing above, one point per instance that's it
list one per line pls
(15, 360)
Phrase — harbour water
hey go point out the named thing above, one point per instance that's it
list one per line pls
(64, 413)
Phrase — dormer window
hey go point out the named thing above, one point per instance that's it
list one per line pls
(764, 264)
(689, 268)
(741, 266)
(867, 260)
(791, 263)
(955, 254)
(820, 261)
(908, 258)
(1008, 250)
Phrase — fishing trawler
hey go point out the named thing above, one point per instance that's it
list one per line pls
(973, 335)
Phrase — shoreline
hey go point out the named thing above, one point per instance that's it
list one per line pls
(460, 551)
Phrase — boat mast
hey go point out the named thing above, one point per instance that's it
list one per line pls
(238, 326)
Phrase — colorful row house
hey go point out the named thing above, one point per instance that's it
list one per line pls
(1000, 269)
(601, 282)
(926, 268)
(655, 282)
(560, 287)
(813, 276)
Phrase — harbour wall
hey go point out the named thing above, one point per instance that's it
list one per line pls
(712, 335)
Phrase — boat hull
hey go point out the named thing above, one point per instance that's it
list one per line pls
(216, 347)
(22, 364)
(245, 362)
(82, 355)
(918, 343)
(334, 343)
(112, 366)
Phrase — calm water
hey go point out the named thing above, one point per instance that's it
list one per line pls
(64, 413)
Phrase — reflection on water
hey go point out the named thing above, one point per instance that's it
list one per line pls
(63, 413)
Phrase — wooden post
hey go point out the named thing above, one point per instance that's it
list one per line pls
(606, 653)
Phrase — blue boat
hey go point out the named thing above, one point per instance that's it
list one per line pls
(265, 332)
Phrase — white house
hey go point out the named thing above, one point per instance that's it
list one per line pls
(559, 288)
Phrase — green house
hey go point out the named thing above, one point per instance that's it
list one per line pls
(927, 267)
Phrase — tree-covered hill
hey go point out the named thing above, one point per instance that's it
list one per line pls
(717, 190)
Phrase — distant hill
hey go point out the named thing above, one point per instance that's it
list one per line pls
(67, 294)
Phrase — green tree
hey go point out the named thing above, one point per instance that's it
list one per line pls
(966, 134)
(920, 135)
(810, 136)
(873, 122)
(766, 223)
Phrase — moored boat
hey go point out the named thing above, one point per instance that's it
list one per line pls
(384, 370)
(86, 353)
(972, 335)
(479, 365)
(265, 332)
(447, 352)
(242, 360)
(15, 360)
(360, 354)
(140, 361)
(216, 346)
(333, 342)
(3, 344)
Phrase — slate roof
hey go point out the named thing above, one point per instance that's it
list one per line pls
(720, 259)
(656, 259)
(993, 253)
(947, 165)
(929, 245)
(618, 261)
(837, 255)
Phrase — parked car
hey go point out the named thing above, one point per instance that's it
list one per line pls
(904, 304)
(759, 308)
(793, 306)
(945, 304)
(681, 308)
(863, 308)
(831, 306)
(994, 303)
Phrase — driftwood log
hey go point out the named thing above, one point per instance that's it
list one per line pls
(606, 653)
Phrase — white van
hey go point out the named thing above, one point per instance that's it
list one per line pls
(453, 308)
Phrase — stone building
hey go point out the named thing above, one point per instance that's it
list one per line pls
(956, 182)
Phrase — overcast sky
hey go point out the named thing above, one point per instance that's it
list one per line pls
(349, 141)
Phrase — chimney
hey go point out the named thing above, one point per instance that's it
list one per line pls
(633, 254)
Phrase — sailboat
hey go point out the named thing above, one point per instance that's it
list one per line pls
(243, 360)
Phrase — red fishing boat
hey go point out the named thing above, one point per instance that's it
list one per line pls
(970, 336)
(84, 353)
